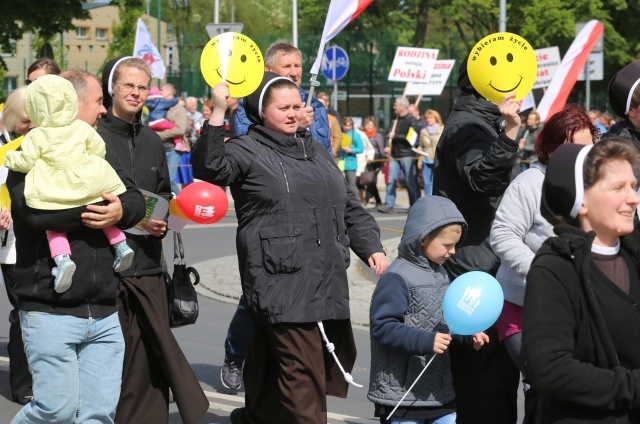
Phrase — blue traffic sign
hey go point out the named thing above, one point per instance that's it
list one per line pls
(335, 63)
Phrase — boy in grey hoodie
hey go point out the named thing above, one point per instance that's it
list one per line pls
(407, 323)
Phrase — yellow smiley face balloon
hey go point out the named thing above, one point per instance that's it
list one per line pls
(234, 58)
(502, 63)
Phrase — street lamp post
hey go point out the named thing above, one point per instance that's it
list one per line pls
(294, 22)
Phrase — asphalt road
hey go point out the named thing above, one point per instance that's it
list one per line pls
(203, 341)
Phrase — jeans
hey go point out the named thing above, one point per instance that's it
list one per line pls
(76, 365)
(241, 329)
(447, 419)
(408, 166)
(173, 162)
(427, 176)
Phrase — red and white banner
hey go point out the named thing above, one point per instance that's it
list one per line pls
(567, 74)
(340, 14)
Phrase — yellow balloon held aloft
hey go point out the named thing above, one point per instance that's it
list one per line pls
(502, 63)
(234, 58)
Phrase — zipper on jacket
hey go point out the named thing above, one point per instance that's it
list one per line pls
(286, 180)
(304, 149)
(315, 214)
(133, 160)
(335, 214)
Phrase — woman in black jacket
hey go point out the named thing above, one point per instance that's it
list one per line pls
(153, 360)
(297, 219)
(581, 325)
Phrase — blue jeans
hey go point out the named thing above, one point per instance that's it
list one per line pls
(427, 176)
(173, 162)
(408, 166)
(447, 419)
(241, 328)
(76, 364)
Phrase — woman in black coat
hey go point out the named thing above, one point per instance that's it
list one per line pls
(297, 219)
(581, 324)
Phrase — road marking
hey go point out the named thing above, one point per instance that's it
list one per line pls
(238, 400)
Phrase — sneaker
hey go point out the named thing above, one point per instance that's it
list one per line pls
(64, 274)
(124, 257)
(384, 209)
(231, 375)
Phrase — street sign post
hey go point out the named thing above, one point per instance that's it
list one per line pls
(335, 64)
(216, 29)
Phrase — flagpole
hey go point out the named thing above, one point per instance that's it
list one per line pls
(159, 46)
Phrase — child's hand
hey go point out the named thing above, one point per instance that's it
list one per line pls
(441, 343)
(479, 339)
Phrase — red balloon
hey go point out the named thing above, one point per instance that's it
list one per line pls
(203, 202)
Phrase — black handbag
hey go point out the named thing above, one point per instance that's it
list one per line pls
(181, 293)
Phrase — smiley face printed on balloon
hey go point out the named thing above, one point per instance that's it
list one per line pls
(234, 58)
(502, 63)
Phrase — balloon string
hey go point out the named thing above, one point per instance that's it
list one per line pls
(414, 383)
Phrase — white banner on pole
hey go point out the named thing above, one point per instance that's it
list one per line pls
(548, 63)
(436, 81)
(144, 48)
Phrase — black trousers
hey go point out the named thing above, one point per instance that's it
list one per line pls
(486, 383)
(19, 375)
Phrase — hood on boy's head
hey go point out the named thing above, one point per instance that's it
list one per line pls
(50, 101)
(107, 80)
(426, 215)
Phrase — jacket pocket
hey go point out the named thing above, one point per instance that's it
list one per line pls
(281, 249)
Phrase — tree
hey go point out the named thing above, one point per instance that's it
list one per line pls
(43, 18)
(124, 33)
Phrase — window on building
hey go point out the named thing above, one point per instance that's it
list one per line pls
(9, 84)
(101, 33)
(10, 51)
(82, 32)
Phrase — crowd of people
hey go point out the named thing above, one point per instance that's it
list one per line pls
(549, 209)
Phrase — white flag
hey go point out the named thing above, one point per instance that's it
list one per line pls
(145, 50)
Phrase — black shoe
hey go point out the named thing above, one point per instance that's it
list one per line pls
(231, 374)
(236, 416)
(384, 209)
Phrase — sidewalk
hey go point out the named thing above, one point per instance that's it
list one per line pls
(220, 277)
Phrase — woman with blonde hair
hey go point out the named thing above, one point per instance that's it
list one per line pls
(429, 138)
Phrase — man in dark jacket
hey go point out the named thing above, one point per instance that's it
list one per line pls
(73, 340)
(404, 135)
(475, 162)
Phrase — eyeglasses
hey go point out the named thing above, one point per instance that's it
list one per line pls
(127, 87)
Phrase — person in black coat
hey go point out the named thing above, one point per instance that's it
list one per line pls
(475, 161)
(297, 219)
(581, 325)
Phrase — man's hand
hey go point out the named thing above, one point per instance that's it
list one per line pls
(378, 261)
(306, 117)
(155, 227)
(103, 216)
(5, 219)
(509, 108)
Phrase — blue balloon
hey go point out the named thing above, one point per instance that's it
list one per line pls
(472, 303)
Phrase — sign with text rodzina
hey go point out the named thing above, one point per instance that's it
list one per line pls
(412, 64)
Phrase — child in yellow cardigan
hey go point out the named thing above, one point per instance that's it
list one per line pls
(64, 162)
